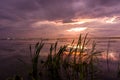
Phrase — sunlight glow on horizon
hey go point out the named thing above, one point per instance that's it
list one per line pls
(81, 21)
(111, 20)
(39, 23)
(77, 29)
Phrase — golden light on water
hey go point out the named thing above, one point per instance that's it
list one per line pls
(111, 55)
(77, 29)
(74, 47)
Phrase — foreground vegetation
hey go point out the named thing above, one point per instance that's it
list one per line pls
(64, 63)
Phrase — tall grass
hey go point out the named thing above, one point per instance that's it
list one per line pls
(35, 59)
(74, 63)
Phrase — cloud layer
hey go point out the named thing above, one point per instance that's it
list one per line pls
(18, 18)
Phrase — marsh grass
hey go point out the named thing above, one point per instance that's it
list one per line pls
(77, 64)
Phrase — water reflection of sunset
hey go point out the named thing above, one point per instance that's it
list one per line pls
(111, 56)
(86, 53)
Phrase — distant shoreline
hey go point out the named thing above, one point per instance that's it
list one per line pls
(56, 38)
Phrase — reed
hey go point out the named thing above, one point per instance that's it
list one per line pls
(76, 63)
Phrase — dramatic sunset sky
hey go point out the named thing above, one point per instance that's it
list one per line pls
(59, 18)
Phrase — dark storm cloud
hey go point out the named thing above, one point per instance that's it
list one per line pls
(15, 10)
(67, 21)
(69, 9)
(103, 3)
(102, 8)
(58, 9)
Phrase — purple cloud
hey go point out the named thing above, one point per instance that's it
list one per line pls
(18, 16)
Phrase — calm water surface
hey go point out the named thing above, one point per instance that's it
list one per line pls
(11, 50)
